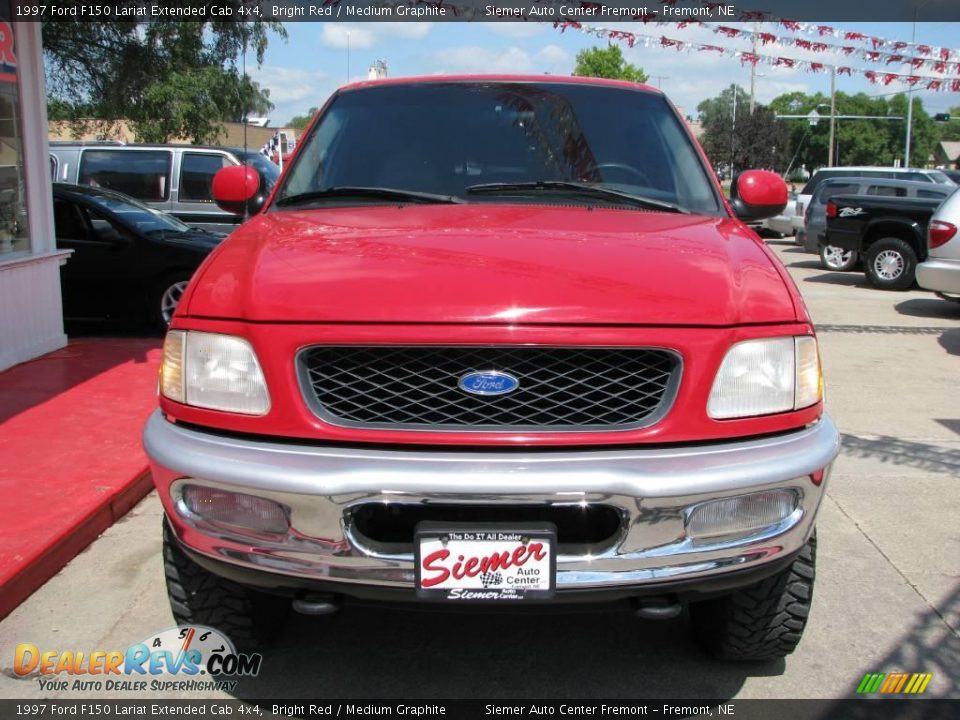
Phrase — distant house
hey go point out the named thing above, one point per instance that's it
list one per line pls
(947, 154)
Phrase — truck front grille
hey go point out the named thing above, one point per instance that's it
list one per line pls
(417, 387)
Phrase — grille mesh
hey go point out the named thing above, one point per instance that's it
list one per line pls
(560, 388)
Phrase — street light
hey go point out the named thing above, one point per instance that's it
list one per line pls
(913, 39)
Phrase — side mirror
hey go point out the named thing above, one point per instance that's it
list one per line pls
(236, 190)
(757, 194)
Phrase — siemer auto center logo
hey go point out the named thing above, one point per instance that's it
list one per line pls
(177, 659)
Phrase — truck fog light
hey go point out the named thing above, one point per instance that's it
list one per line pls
(740, 515)
(223, 507)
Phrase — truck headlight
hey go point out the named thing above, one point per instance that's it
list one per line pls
(214, 371)
(770, 375)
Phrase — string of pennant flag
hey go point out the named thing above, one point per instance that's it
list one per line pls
(936, 84)
(870, 48)
(917, 56)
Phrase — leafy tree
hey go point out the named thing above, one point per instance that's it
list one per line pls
(607, 62)
(756, 140)
(299, 122)
(950, 130)
(167, 78)
(858, 142)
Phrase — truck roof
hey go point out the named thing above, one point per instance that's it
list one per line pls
(498, 77)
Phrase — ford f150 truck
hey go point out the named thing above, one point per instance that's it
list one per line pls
(890, 234)
(495, 340)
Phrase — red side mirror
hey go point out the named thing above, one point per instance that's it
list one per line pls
(234, 187)
(758, 194)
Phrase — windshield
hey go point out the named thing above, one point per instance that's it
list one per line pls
(939, 177)
(257, 161)
(136, 214)
(443, 138)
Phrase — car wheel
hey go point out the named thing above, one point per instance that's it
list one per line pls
(764, 621)
(198, 597)
(837, 259)
(891, 264)
(165, 298)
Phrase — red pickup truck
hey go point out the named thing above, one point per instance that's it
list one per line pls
(495, 340)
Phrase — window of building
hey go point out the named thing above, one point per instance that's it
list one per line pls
(14, 228)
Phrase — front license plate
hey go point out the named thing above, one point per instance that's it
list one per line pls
(485, 562)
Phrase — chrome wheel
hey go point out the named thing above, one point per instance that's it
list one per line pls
(888, 265)
(836, 258)
(168, 301)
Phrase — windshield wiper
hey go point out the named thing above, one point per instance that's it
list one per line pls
(581, 188)
(347, 191)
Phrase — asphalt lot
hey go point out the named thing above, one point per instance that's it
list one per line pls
(887, 595)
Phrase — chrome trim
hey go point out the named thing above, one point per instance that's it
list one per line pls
(666, 404)
(652, 488)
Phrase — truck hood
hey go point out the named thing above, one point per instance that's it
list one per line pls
(486, 263)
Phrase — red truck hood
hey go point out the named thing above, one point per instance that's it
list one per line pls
(492, 263)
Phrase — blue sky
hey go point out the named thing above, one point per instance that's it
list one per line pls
(303, 70)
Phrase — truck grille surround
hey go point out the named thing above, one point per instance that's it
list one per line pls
(560, 389)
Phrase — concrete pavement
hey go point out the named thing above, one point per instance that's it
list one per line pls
(887, 595)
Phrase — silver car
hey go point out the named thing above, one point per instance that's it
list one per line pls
(940, 272)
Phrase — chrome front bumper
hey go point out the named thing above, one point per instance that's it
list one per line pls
(650, 488)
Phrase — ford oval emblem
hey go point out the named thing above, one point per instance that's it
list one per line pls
(491, 382)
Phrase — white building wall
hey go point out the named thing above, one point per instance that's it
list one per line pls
(31, 316)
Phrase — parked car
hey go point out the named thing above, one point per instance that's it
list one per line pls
(479, 349)
(861, 171)
(782, 224)
(940, 272)
(172, 178)
(840, 259)
(129, 260)
(888, 232)
(953, 175)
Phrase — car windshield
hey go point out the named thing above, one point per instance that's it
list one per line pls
(939, 177)
(536, 140)
(136, 214)
(257, 161)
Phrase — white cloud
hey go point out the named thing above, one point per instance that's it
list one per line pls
(339, 35)
(403, 30)
(514, 30)
(476, 59)
(555, 58)
(287, 85)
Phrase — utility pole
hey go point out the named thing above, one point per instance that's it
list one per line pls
(833, 114)
(913, 39)
(733, 126)
(659, 79)
(753, 70)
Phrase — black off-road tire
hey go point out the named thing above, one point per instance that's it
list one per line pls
(764, 621)
(197, 597)
(891, 247)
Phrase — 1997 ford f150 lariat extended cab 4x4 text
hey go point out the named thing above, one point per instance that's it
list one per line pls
(496, 340)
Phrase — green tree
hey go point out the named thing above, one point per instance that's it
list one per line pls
(299, 122)
(950, 130)
(167, 78)
(752, 140)
(607, 62)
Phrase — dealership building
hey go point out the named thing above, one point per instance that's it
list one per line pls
(31, 317)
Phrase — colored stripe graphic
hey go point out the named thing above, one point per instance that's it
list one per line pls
(870, 683)
(894, 683)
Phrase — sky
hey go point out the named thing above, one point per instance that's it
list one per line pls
(312, 62)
